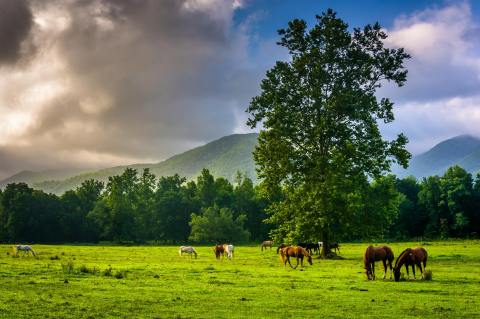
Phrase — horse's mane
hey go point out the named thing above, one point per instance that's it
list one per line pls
(402, 256)
(304, 252)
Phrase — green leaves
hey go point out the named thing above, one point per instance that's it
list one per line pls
(319, 113)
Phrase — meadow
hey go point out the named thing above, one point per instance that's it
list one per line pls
(69, 281)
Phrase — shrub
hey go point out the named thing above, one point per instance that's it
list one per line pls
(68, 267)
(86, 270)
(427, 275)
(119, 274)
(54, 257)
(108, 272)
(218, 224)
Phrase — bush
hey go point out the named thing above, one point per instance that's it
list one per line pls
(218, 224)
(54, 257)
(86, 270)
(119, 274)
(68, 267)
(427, 275)
(108, 272)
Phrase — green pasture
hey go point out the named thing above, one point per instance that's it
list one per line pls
(154, 282)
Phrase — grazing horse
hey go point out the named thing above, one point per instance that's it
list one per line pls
(187, 249)
(297, 252)
(335, 246)
(267, 243)
(25, 248)
(219, 251)
(373, 254)
(310, 247)
(410, 257)
(280, 247)
(228, 249)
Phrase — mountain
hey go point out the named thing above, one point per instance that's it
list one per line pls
(32, 177)
(223, 157)
(230, 154)
(463, 150)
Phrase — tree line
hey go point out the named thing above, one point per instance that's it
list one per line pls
(135, 207)
(438, 206)
(141, 208)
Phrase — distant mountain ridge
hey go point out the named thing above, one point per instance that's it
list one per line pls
(230, 154)
(223, 157)
(463, 150)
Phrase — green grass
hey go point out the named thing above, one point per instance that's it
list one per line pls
(154, 282)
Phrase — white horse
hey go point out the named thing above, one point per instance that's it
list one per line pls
(25, 248)
(229, 250)
(187, 249)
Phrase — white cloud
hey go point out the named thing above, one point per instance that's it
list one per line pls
(441, 98)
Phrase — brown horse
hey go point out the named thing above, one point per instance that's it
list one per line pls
(373, 254)
(280, 247)
(267, 243)
(219, 251)
(294, 251)
(411, 257)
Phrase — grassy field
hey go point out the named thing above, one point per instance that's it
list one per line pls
(157, 283)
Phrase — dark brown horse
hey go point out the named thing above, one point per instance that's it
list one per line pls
(373, 254)
(410, 257)
(297, 252)
(219, 251)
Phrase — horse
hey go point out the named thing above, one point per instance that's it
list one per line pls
(189, 250)
(25, 248)
(295, 251)
(310, 247)
(373, 254)
(410, 257)
(229, 250)
(219, 251)
(267, 243)
(335, 246)
(280, 247)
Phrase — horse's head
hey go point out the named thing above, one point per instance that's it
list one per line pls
(368, 272)
(396, 273)
(309, 259)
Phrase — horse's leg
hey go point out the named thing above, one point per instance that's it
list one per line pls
(373, 270)
(413, 270)
(420, 267)
(384, 268)
(288, 258)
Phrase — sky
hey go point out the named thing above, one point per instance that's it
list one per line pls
(96, 83)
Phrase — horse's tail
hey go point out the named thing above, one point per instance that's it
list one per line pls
(425, 257)
(389, 253)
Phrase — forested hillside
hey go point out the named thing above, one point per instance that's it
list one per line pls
(223, 157)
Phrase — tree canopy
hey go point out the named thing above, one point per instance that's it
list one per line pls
(319, 114)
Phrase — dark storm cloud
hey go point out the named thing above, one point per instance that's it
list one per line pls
(135, 80)
(15, 25)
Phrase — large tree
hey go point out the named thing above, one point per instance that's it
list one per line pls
(319, 111)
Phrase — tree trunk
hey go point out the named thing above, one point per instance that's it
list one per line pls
(326, 245)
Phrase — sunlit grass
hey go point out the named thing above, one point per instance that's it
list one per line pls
(154, 282)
